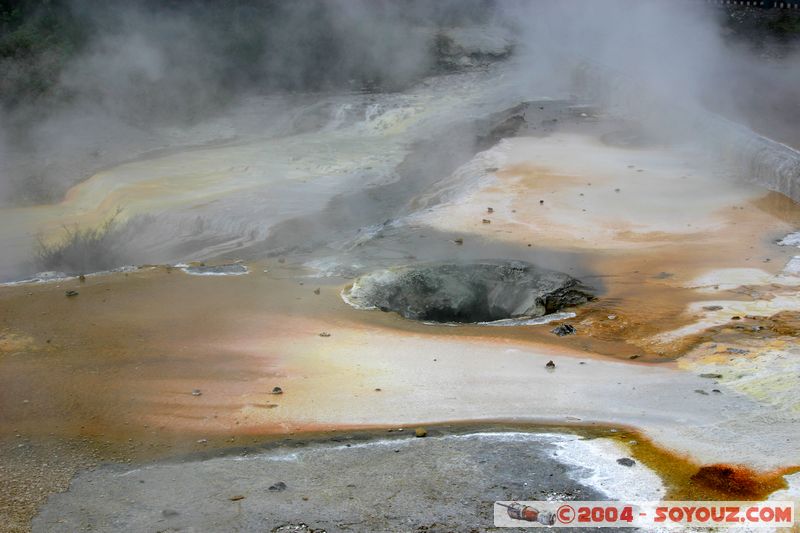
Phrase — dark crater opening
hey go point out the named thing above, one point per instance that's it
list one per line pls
(472, 292)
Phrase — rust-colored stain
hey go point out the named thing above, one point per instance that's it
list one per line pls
(739, 481)
(687, 480)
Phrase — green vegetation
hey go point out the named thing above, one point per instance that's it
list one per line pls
(37, 39)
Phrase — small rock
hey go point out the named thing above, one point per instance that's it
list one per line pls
(70, 294)
(489, 210)
(296, 528)
(236, 498)
(169, 513)
(739, 351)
(541, 202)
(563, 329)
(202, 441)
(82, 278)
(316, 291)
(711, 376)
(378, 390)
(626, 461)
(550, 365)
(717, 391)
(636, 356)
(612, 317)
(420, 432)
(277, 390)
(712, 308)
(486, 221)
(458, 241)
(197, 392)
(616, 190)
(277, 487)
(736, 318)
(701, 391)
(324, 334)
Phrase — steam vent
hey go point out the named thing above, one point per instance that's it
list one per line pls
(356, 266)
(473, 292)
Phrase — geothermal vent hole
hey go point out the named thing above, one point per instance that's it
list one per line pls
(467, 293)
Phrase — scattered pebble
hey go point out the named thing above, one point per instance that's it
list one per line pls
(277, 390)
(236, 498)
(626, 461)
(197, 392)
(489, 210)
(712, 308)
(316, 291)
(458, 241)
(550, 365)
(711, 376)
(637, 356)
(563, 329)
(486, 221)
(739, 351)
(82, 278)
(324, 334)
(202, 441)
(277, 487)
(71, 293)
(420, 432)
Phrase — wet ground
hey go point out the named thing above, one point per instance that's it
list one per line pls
(439, 483)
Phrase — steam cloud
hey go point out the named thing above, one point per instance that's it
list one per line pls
(145, 75)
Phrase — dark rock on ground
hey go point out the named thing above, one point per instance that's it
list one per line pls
(277, 487)
(625, 461)
(564, 329)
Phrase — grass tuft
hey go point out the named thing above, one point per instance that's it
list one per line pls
(82, 250)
